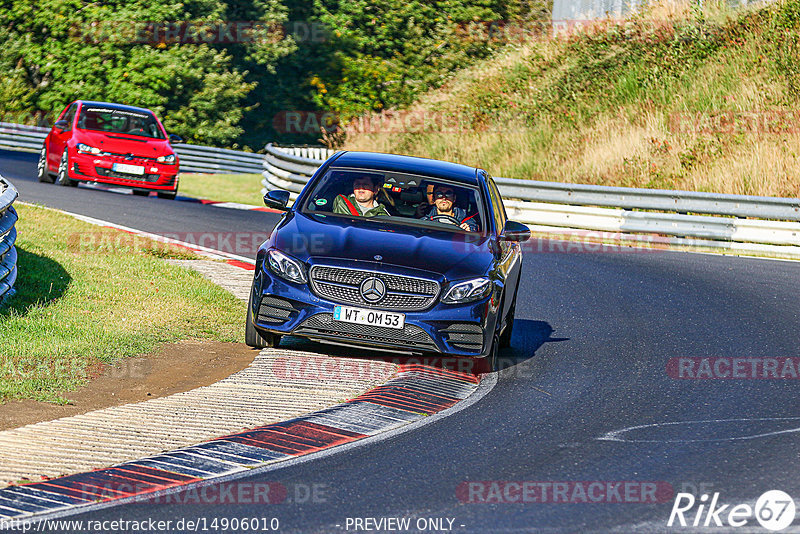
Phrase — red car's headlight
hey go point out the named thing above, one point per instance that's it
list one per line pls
(86, 149)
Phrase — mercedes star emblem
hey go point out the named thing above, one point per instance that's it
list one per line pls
(378, 257)
(373, 289)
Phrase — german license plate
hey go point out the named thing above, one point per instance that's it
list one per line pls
(128, 169)
(369, 317)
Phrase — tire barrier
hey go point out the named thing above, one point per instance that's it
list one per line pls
(8, 235)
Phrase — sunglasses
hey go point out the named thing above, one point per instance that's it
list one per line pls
(450, 195)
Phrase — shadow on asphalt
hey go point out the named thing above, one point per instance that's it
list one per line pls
(40, 282)
(528, 337)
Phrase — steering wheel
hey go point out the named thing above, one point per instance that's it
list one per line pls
(449, 219)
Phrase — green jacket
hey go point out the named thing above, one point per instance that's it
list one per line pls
(339, 206)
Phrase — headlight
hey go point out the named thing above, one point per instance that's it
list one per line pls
(286, 267)
(467, 291)
(86, 149)
(168, 159)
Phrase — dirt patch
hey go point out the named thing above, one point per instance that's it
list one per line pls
(174, 368)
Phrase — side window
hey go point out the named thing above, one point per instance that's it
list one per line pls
(497, 205)
(70, 116)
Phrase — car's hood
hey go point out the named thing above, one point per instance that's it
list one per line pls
(454, 255)
(124, 144)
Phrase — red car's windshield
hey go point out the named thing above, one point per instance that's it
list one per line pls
(121, 121)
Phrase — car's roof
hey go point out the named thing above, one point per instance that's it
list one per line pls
(408, 164)
(121, 107)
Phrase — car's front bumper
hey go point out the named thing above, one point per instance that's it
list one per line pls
(99, 168)
(285, 308)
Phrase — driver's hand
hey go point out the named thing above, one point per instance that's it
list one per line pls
(464, 226)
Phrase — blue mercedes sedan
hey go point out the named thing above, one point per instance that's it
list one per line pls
(393, 253)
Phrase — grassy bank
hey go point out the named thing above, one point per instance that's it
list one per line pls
(242, 188)
(88, 295)
(673, 98)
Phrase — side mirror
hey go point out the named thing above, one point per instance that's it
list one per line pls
(515, 231)
(61, 125)
(277, 199)
(175, 139)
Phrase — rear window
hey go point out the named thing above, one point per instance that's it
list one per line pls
(120, 121)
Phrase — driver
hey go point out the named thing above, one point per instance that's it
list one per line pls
(363, 200)
(444, 204)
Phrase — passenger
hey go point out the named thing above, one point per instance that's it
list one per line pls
(444, 199)
(425, 206)
(362, 202)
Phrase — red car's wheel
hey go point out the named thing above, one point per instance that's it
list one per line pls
(62, 178)
(41, 167)
(169, 195)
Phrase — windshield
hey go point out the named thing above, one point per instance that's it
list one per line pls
(111, 120)
(397, 198)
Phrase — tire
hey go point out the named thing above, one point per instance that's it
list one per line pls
(140, 193)
(168, 195)
(41, 168)
(252, 337)
(62, 178)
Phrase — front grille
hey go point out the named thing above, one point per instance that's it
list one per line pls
(409, 336)
(125, 157)
(275, 311)
(102, 171)
(464, 336)
(406, 293)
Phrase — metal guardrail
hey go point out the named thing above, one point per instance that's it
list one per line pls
(197, 158)
(290, 168)
(193, 158)
(553, 207)
(8, 235)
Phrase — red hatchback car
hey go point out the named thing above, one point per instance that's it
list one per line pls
(110, 144)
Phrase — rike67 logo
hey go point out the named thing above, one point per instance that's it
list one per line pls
(774, 510)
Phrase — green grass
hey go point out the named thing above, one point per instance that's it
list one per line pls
(88, 295)
(598, 107)
(241, 188)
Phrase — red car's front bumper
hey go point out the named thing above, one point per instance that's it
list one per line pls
(100, 168)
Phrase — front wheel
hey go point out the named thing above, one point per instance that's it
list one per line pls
(41, 168)
(168, 195)
(252, 337)
(62, 178)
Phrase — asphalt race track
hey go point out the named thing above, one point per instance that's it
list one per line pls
(592, 341)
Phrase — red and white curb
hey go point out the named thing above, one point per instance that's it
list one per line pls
(415, 393)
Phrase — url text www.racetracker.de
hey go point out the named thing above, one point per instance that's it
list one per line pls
(225, 524)
(149, 525)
